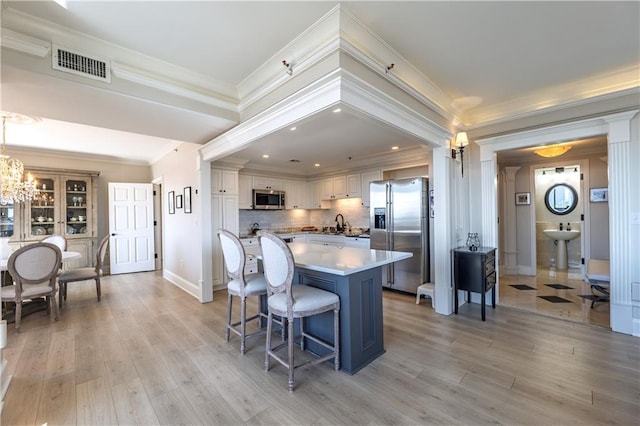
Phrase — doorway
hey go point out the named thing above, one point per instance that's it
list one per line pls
(543, 272)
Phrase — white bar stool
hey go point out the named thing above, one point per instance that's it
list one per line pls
(427, 289)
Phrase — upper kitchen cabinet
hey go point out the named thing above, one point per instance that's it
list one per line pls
(224, 181)
(245, 192)
(313, 195)
(342, 186)
(65, 205)
(263, 182)
(294, 193)
(366, 178)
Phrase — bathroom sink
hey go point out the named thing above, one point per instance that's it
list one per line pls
(556, 234)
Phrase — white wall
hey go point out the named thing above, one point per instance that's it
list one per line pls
(182, 235)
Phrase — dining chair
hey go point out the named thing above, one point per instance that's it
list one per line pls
(294, 301)
(34, 269)
(84, 274)
(57, 240)
(240, 286)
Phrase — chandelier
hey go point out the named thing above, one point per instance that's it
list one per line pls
(552, 150)
(13, 189)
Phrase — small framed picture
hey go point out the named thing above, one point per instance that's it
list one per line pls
(187, 199)
(523, 198)
(171, 196)
(599, 195)
(178, 201)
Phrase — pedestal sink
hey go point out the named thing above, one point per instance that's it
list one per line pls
(561, 249)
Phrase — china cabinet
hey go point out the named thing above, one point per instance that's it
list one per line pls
(65, 205)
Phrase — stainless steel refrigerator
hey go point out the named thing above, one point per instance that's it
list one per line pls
(399, 222)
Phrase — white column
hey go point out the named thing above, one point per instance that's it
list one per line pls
(510, 249)
(621, 191)
(202, 202)
(443, 239)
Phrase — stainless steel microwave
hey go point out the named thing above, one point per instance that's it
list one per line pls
(267, 199)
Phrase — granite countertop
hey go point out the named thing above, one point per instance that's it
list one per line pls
(337, 260)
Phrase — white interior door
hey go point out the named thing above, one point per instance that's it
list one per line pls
(131, 246)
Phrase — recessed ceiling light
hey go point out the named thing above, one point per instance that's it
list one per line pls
(337, 110)
(292, 128)
(317, 165)
(265, 155)
(394, 147)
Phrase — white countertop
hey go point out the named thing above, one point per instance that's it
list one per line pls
(337, 260)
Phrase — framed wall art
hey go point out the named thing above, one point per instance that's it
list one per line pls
(187, 199)
(171, 197)
(523, 198)
(599, 195)
(178, 201)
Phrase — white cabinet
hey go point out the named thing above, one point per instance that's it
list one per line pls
(251, 262)
(313, 195)
(299, 238)
(327, 240)
(366, 178)
(224, 181)
(294, 194)
(357, 242)
(353, 186)
(224, 214)
(245, 192)
(336, 187)
(263, 182)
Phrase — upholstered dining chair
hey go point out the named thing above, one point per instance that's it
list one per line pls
(240, 286)
(57, 240)
(294, 301)
(85, 274)
(34, 269)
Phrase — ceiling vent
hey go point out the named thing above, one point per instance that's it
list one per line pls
(75, 63)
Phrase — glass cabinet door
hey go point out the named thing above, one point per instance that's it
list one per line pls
(42, 209)
(76, 198)
(6, 220)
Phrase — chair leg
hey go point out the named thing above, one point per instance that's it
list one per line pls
(268, 344)
(98, 287)
(226, 329)
(336, 338)
(302, 345)
(18, 315)
(243, 324)
(60, 293)
(290, 350)
(52, 300)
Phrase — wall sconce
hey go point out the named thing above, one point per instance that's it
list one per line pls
(460, 142)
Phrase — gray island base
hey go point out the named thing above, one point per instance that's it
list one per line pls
(355, 275)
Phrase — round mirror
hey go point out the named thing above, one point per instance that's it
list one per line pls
(561, 199)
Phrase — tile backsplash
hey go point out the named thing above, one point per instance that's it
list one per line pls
(352, 210)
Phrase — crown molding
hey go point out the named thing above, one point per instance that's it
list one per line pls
(128, 64)
(24, 43)
(77, 156)
(594, 89)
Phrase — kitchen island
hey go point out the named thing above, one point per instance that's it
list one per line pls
(355, 275)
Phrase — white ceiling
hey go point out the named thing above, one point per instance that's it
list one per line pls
(496, 52)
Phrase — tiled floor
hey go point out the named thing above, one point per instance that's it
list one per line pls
(548, 296)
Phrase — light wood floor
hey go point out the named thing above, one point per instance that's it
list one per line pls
(151, 354)
(578, 308)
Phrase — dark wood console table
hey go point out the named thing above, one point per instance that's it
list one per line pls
(475, 271)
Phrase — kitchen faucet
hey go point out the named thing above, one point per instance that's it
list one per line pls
(339, 225)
